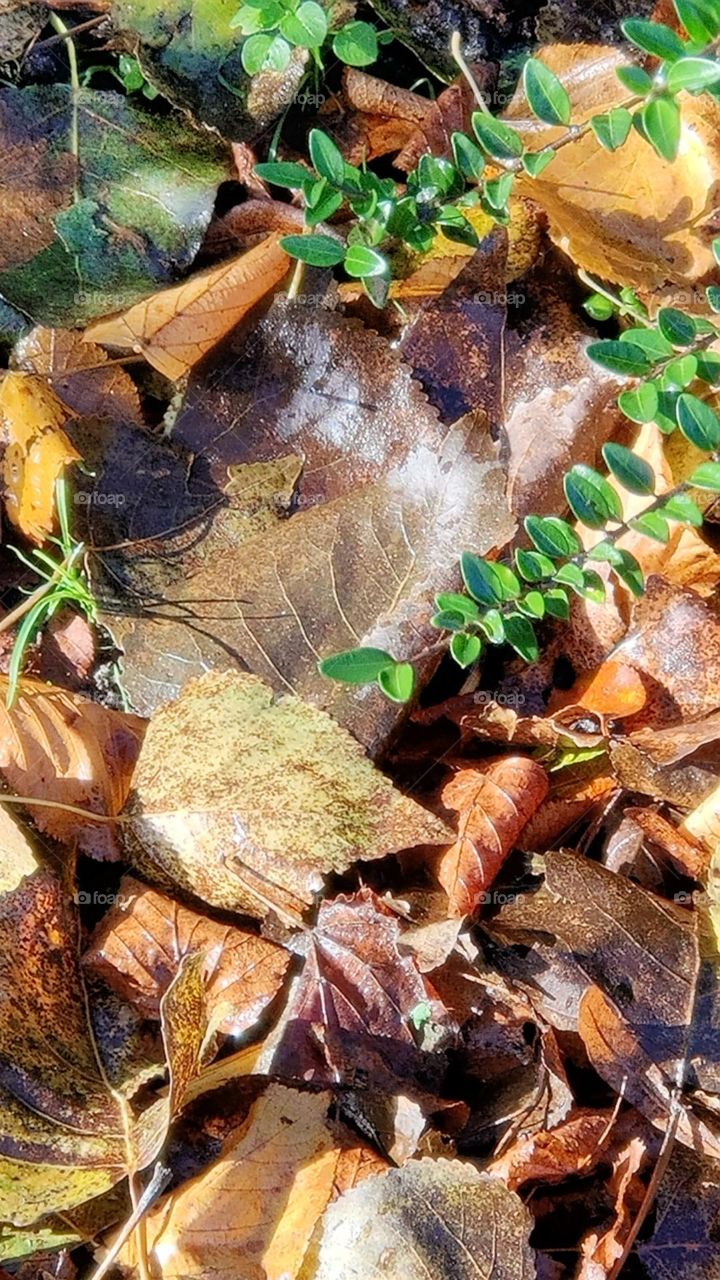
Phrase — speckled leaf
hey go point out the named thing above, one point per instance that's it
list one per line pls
(430, 1218)
(189, 51)
(247, 801)
(85, 238)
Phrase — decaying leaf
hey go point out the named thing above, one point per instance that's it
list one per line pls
(125, 217)
(430, 1218)
(494, 805)
(176, 328)
(37, 451)
(684, 1241)
(247, 801)
(251, 1215)
(139, 945)
(602, 1250)
(627, 216)
(58, 746)
(574, 1147)
(81, 374)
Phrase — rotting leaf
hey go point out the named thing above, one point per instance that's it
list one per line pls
(432, 1217)
(176, 328)
(493, 806)
(58, 746)
(139, 945)
(247, 801)
(252, 1213)
(88, 236)
(82, 375)
(684, 1240)
(37, 451)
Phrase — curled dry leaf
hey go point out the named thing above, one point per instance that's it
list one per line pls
(37, 451)
(494, 805)
(82, 375)
(251, 1214)
(574, 1147)
(683, 852)
(57, 746)
(602, 1250)
(430, 1218)
(176, 328)
(246, 800)
(139, 945)
(627, 216)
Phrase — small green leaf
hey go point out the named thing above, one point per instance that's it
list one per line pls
(634, 474)
(598, 307)
(355, 666)
(488, 582)
(495, 137)
(546, 95)
(362, 261)
(654, 38)
(557, 603)
(634, 79)
(571, 575)
(716, 249)
(665, 416)
(712, 293)
(495, 195)
(693, 75)
(679, 373)
(318, 251)
(652, 525)
(590, 497)
(307, 27)
(552, 536)
(465, 649)
(356, 44)
(533, 566)
(700, 18)
(324, 202)
(520, 633)
(624, 564)
(448, 620)
(678, 328)
(468, 158)
(398, 681)
(534, 162)
(458, 604)
(327, 158)
(682, 508)
(651, 341)
(532, 604)
(493, 625)
(265, 52)
(640, 404)
(662, 122)
(706, 476)
(620, 357)
(283, 174)
(708, 367)
(612, 128)
(698, 422)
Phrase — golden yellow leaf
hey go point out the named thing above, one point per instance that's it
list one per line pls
(37, 452)
(175, 328)
(628, 216)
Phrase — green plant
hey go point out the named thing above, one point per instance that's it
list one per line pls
(128, 72)
(273, 28)
(64, 583)
(502, 603)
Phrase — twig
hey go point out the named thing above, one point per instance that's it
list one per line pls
(155, 1187)
(457, 53)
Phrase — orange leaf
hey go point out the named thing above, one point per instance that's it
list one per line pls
(494, 806)
(175, 328)
(37, 452)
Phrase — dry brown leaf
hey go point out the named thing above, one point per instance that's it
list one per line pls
(57, 746)
(139, 945)
(494, 806)
(81, 374)
(575, 791)
(175, 328)
(627, 215)
(576, 1146)
(601, 1251)
(251, 1215)
(677, 848)
(36, 454)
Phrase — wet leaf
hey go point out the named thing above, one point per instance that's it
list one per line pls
(432, 1217)
(82, 375)
(139, 945)
(36, 454)
(127, 216)
(493, 808)
(684, 1239)
(174, 329)
(247, 801)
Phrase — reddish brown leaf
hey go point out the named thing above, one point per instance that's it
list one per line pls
(574, 1147)
(139, 945)
(494, 806)
(601, 1251)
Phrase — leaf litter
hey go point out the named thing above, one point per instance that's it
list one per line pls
(294, 983)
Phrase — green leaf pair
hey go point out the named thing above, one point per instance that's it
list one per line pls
(372, 666)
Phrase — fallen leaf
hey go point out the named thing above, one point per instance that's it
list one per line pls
(18, 858)
(682, 851)
(246, 801)
(494, 806)
(602, 1250)
(385, 118)
(684, 1240)
(127, 215)
(574, 1147)
(576, 792)
(174, 329)
(251, 1215)
(57, 746)
(139, 945)
(676, 742)
(626, 216)
(81, 374)
(430, 1218)
(68, 650)
(36, 454)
